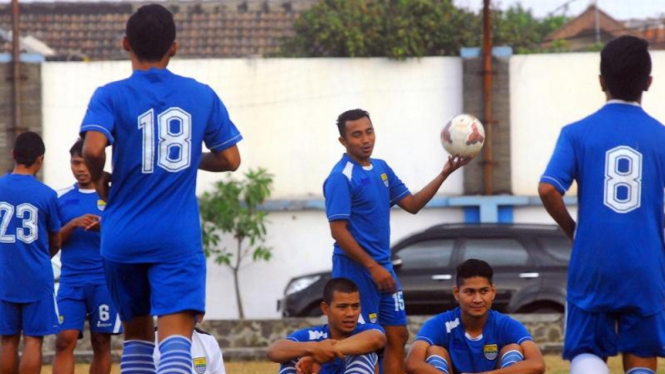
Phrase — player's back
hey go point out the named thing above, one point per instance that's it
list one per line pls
(157, 122)
(28, 213)
(620, 161)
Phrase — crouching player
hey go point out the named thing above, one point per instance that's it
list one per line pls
(341, 346)
(472, 338)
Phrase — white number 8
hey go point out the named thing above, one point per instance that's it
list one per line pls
(630, 179)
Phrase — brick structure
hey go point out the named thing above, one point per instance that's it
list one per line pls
(474, 175)
(31, 96)
(208, 29)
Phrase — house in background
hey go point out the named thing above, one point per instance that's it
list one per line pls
(594, 27)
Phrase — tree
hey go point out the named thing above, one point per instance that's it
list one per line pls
(409, 28)
(232, 208)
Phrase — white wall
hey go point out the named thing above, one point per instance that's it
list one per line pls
(286, 110)
(549, 91)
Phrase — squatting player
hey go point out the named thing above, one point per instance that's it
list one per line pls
(29, 237)
(616, 278)
(151, 235)
(341, 346)
(473, 338)
(359, 194)
(83, 293)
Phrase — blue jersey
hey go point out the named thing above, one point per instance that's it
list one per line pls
(472, 355)
(363, 196)
(82, 264)
(156, 122)
(617, 157)
(28, 213)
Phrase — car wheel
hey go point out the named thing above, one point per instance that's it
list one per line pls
(542, 308)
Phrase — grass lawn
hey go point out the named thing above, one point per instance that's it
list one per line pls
(555, 365)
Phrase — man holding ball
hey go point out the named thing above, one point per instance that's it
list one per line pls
(359, 193)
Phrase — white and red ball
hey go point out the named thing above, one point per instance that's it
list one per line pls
(463, 135)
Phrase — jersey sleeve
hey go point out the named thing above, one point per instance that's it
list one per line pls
(99, 116)
(53, 215)
(560, 171)
(337, 192)
(433, 332)
(362, 327)
(299, 336)
(220, 132)
(513, 332)
(398, 189)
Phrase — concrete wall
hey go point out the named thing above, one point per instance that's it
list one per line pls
(286, 110)
(551, 90)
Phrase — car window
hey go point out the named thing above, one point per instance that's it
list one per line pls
(427, 254)
(497, 251)
(558, 247)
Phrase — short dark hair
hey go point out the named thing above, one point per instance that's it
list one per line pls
(151, 32)
(342, 285)
(625, 64)
(473, 268)
(350, 115)
(77, 148)
(28, 146)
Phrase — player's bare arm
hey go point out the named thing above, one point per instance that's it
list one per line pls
(345, 240)
(284, 350)
(54, 242)
(86, 222)
(415, 359)
(226, 160)
(362, 343)
(414, 203)
(553, 202)
(533, 362)
(94, 155)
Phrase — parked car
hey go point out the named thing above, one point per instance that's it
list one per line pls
(530, 265)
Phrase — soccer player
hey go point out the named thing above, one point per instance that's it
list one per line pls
(151, 242)
(616, 155)
(341, 346)
(206, 354)
(83, 293)
(473, 338)
(29, 237)
(359, 194)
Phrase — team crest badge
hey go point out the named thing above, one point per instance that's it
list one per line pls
(490, 351)
(101, 204)
(200, 365)
(384, 178)
(61, 319)
(372, 317)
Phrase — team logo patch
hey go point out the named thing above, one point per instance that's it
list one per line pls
(61, 319)
(372, 317)
(200, 364)
(490, 351)
(384, 178)
(101, 205)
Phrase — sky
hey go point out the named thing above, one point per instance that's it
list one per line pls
(618, 9)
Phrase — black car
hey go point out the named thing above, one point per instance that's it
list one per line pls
(530, 265)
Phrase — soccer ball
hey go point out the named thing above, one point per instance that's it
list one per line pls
(463, 135)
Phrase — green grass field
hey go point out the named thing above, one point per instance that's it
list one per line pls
(555, 365)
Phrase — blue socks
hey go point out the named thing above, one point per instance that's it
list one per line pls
(640, 371)
(439, 363)
(510, 358)
(361, 364)
(176, 355)
(137, 357)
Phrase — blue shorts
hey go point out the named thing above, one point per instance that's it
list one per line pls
(384, 308)
(157, 289)
(38, 318)
(607, 334)
(76, 304)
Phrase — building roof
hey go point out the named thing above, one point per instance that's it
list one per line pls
(206, 29)
(585, 24)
